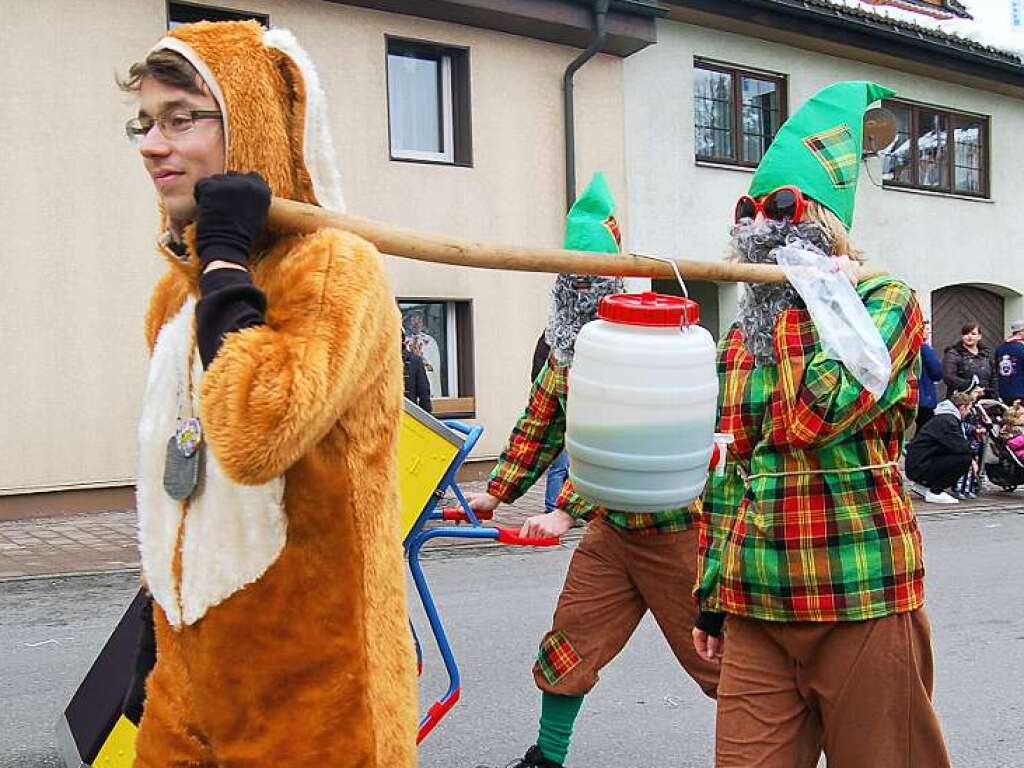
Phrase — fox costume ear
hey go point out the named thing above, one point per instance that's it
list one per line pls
(313, 158)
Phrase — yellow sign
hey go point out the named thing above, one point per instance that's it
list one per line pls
(426, 451)
(119, 749)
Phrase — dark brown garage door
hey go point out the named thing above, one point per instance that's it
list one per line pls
(957, 305)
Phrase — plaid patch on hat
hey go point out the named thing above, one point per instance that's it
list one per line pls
(612, 225)
(836, 150)
(557, 657)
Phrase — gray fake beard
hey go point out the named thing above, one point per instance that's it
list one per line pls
(572, 308)
(761, 303)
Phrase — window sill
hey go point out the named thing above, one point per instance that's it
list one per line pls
(430, 161)
(454, 407)
(725, 166)
(930, 193)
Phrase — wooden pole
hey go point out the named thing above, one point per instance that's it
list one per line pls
(288, 216)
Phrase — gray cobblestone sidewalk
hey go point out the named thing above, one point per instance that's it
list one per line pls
(106, 541)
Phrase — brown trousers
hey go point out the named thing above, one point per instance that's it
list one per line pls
(614, 578)
(860, 690)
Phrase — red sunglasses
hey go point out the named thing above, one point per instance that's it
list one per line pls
(783, 204)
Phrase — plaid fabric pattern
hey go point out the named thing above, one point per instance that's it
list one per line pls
(836, 150)
(798, 529)
(681, 519)
(557, 657)
(537, 439)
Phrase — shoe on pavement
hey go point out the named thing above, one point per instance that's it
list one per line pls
(534, 758)
(939, 498)
(917, 488)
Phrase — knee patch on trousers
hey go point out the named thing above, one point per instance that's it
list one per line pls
(557, 657)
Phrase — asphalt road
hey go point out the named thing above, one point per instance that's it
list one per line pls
(644, 714)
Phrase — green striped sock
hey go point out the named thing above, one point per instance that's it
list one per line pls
(557, 717)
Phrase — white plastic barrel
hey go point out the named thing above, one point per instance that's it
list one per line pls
(643, 390)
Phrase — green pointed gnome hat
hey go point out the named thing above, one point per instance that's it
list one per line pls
(590, 225)
(819, 148)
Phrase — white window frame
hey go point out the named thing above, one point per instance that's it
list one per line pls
(447, 122)
(451, 331)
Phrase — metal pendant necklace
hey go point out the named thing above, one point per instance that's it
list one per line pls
(184, 459)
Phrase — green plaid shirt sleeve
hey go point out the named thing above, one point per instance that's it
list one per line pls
(537, 438)
(573, 503)
(821, 400)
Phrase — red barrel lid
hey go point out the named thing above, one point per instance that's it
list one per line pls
(649, 309)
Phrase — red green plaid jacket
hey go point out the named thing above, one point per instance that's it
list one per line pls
(537, 439)
(810, 521)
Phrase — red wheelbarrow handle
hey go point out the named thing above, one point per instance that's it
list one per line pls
(511, 536)
(458, 515)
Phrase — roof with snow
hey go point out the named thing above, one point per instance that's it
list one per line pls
(984, 26)
(974, 40)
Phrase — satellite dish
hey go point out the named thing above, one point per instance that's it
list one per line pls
(879, 130)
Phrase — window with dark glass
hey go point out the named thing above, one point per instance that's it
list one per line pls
(937, 150)
(428, 102)
(736, 112)
(187, 13)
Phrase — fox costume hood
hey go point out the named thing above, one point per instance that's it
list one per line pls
(282, 629)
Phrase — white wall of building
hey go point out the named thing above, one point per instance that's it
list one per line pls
(680, 207)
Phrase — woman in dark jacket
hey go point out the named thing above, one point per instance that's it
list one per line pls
(965, 360)
(417, 385)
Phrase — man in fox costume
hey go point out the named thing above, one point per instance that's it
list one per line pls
(267, 491)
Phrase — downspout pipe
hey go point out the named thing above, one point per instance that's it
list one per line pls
(600, 33)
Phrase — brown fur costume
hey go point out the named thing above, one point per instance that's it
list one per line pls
(281, 622)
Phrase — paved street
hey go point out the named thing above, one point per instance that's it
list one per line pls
(644, 714)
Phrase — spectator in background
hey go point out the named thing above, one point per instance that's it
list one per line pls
(969, 486)
(417, 387)
(939, 455)
(931, 373)
(1010, 365)
(966, 359)
(559, 469)
(425, 347)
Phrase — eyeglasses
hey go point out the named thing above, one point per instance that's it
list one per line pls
(783, 204)
(171, 124)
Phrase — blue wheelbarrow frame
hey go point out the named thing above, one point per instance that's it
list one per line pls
(421, 534)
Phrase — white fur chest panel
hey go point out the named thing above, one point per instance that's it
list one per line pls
(232, 533)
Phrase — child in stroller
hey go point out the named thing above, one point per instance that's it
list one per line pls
(1003, 455)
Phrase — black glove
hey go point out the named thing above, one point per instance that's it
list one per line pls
(711, 622)
(232, 211)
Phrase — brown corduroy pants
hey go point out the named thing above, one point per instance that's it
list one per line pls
(614, 578)
(859, 690)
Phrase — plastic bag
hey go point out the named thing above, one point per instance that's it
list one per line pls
(845, 328)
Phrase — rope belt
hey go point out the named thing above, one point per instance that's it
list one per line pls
(794, 473)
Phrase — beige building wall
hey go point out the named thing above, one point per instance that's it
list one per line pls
(79, 223)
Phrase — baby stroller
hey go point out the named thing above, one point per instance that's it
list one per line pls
(1003, 466)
